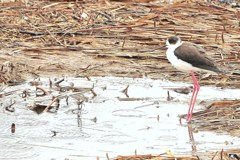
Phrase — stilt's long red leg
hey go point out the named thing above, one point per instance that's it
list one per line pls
(196, 88)
(190, 106)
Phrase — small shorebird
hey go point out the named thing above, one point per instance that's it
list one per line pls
(189, 57)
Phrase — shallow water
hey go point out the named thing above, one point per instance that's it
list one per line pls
(146, 122)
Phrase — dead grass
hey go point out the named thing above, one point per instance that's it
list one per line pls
(106, 38)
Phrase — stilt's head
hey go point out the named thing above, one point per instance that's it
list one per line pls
(173, 42)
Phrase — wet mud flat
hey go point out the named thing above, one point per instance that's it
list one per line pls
(100, 117)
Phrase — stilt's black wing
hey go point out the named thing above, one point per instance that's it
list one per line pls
(189, 53)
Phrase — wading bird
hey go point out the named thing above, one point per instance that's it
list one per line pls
(189, 57)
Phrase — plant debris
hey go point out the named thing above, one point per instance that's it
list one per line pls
(222, 117)
(219, 155)
(109, 38)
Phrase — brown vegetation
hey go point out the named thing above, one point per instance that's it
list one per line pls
(108, 38)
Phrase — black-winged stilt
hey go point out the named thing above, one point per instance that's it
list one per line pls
(189, 57)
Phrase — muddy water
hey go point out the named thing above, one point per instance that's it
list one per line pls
(109, 122)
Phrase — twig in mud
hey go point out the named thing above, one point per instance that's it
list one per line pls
(57, 105)
(214, 155)
(45, 92)
(80, 32)
(32, 33)
(134, 99)
(41, 108)
(67, 98)
(88, 78)
(80, 105)
(221, 54)
(9, 107)
(94, 119)
(35, 83)
(125, 91)
(25, 93)
(3, 79)
(13, 128)
(183, 90)
(216, 37)
(221, 158)
(169, 98)
(154, 26)
(58, 82)
(223, 41)
(56, 39)
(146, 105)
(107, 156)
(234, 156)
(104, 15)
(8, 93)
(54, 133)
(96, 67)
(93, 92)
(86, 68)
(180, 120)
(50, 104)
(50, 83)
(124, 39)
